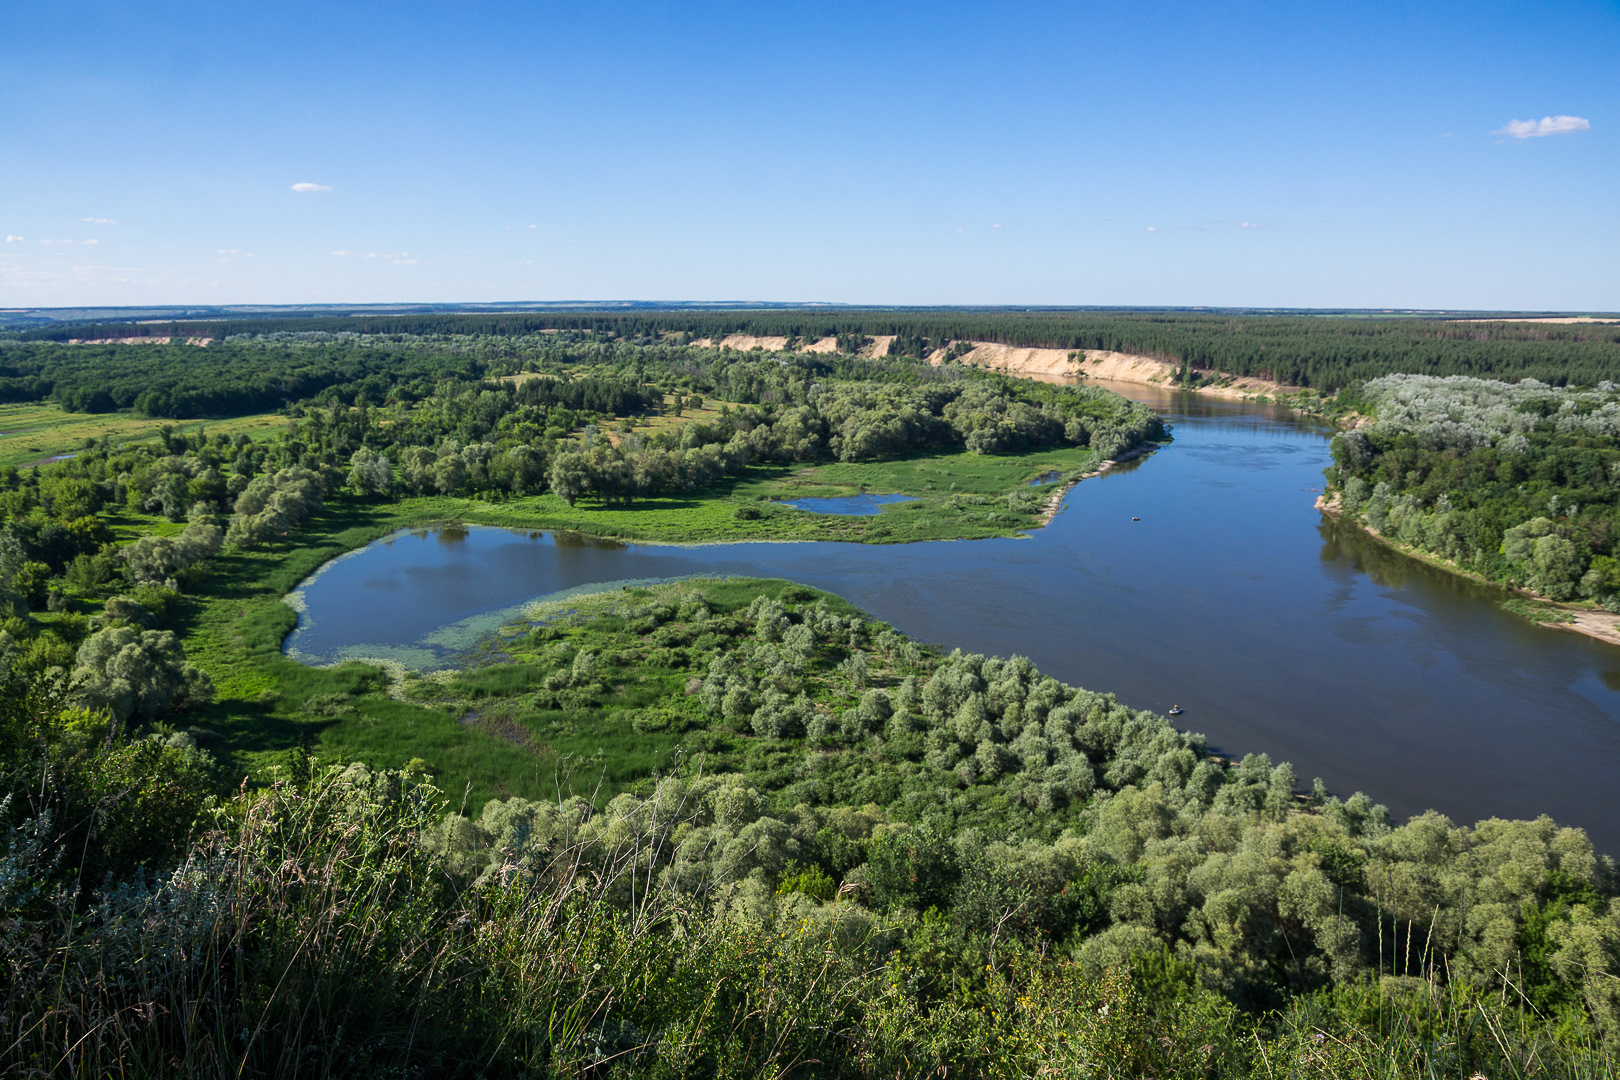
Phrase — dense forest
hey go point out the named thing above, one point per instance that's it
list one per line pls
(1323, 353)
(819, 847)
(1516, 482)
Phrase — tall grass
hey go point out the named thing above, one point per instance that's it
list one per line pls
(311, 932)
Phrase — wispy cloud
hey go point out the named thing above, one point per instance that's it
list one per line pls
(1547, 125)
(305, 185)
(1152, 228)
(90, 241)
(99, 221)
(227, 251)
(16, 239)
(399, 258)
(1247, 225)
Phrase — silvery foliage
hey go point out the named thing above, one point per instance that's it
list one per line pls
(25, 864)
(160, 920)
(1462, 413)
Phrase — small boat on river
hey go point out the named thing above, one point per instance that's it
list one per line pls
(1175, 710)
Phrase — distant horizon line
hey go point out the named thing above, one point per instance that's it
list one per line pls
(203, 312)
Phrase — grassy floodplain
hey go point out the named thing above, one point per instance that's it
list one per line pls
(234, 625)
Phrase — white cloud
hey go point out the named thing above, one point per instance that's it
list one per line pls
(1547, 125)
(15, 239)
(227, 251)
(401, 258)
(1247, 225)
(99, 221)
(533, 226)
(305, 185)
(91, 241)
(996, 226)
(1152, 228)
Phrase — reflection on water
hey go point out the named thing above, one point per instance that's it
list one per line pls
(1387, 567)
(1274, 628)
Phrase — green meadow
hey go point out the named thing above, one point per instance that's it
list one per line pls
(31, 433)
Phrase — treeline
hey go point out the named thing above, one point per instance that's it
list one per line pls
(1324, 353)
(1516, 482)
(182, 381)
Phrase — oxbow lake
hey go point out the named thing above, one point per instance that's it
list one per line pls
(1275, 629)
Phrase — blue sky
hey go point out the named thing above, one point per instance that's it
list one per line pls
(1303, 155)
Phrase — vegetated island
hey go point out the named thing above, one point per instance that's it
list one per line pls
(709, 828)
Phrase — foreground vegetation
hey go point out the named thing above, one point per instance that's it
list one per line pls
(1513, 482)
(831, 852)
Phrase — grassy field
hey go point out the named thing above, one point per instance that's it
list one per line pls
(32, 433)
(958, 496)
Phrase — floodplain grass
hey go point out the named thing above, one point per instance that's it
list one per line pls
(32, 433)
(235, 625)
(267, 703)
(958, 497)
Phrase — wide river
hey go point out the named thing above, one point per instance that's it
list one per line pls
(1275, 629)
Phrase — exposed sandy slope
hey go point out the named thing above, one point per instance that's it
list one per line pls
(747, 342)
(1018, 361)
(1101, 364)
(880, 345)
(1598, 624)
(203, 341)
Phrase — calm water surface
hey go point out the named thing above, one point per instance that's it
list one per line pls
(1274, 629)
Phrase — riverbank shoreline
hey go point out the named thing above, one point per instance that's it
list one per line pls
(1600, 625)
(1055, 503)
